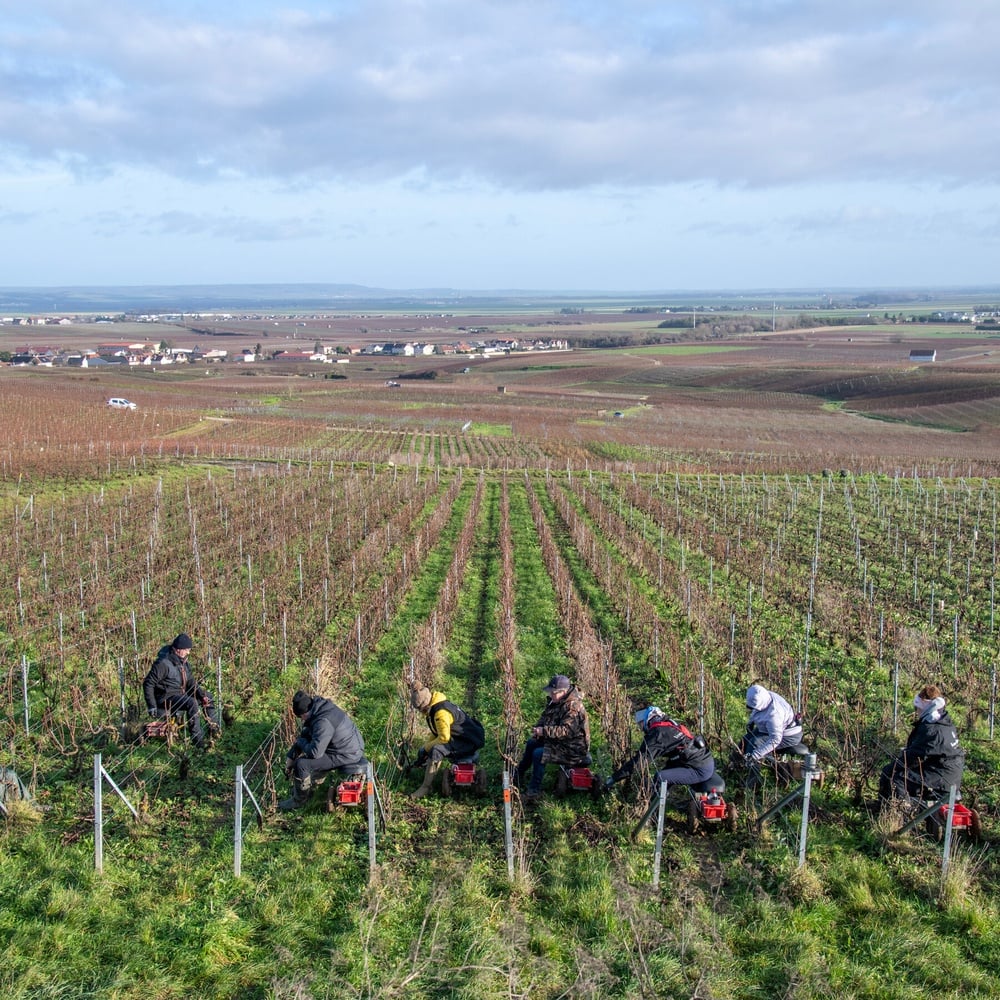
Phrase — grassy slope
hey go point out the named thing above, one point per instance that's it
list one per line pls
(733, 917)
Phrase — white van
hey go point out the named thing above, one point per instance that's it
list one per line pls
(120, 404)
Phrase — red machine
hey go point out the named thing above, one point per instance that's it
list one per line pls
(349, 792)
(463, 774)
(964, 819)
(161, 729)
(578, 779)
(708, 809)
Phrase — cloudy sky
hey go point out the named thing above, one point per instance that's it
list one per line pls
(491, 144)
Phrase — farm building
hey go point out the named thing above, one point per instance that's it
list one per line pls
(923, 355)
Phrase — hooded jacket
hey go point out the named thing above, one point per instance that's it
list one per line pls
(772, 719)
(932, 749)
(329, 731)
(565, 729)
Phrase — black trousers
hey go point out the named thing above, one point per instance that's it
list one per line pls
(457, 748)
(902, 782)
(316, 767)
(179, 703)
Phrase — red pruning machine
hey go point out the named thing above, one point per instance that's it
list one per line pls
(349, 792)
(165, 728)
(708, 808)
(964, 820)
(464, 774)
(578, 778)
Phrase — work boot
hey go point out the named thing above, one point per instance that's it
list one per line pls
(432, 768)
(301, 794)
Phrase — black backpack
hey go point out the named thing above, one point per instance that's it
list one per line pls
(472, 729)
(465, 725)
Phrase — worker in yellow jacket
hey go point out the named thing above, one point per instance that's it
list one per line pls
(453, 734)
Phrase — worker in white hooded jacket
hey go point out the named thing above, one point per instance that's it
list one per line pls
(773, 725)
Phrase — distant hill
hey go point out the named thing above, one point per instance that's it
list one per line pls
(191, 298)
(322, 297)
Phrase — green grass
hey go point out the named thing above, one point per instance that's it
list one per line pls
(733, 916)
(491, 430)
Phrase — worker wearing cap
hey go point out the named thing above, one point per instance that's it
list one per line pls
(680, 757)
(171, 689)
(561, 735)
(328, 741)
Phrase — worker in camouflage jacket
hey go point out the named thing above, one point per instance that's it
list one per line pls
(561, 735)
(170, 688)
(328, 741)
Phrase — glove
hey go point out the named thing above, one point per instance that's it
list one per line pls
(749, 760)
(205, 701)
(288, 767)
(155, 713)
(609, 784)
(422, 756)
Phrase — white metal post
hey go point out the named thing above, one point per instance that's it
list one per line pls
(370, 794)
(659, 834)
(810, 763)
(98, 816)
(993, 698)
(121, 685)
(946, 850)
(895, 697)
(24, 690)
(218, 690)
(507, 824)
(238, 827)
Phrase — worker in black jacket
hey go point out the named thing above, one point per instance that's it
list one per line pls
(932, 761)
(171, 689)
(679, 757)
(328, 741)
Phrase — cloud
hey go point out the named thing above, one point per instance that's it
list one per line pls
(544, 95)
(230, 228)
(16, 217)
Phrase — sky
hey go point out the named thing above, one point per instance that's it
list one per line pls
(629, 145)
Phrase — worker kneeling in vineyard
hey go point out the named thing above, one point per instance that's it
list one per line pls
(170, 689)
(932, 761)
(561, 735)
(773, 725)
(454, 734)
(679, 757)
(328, 741)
